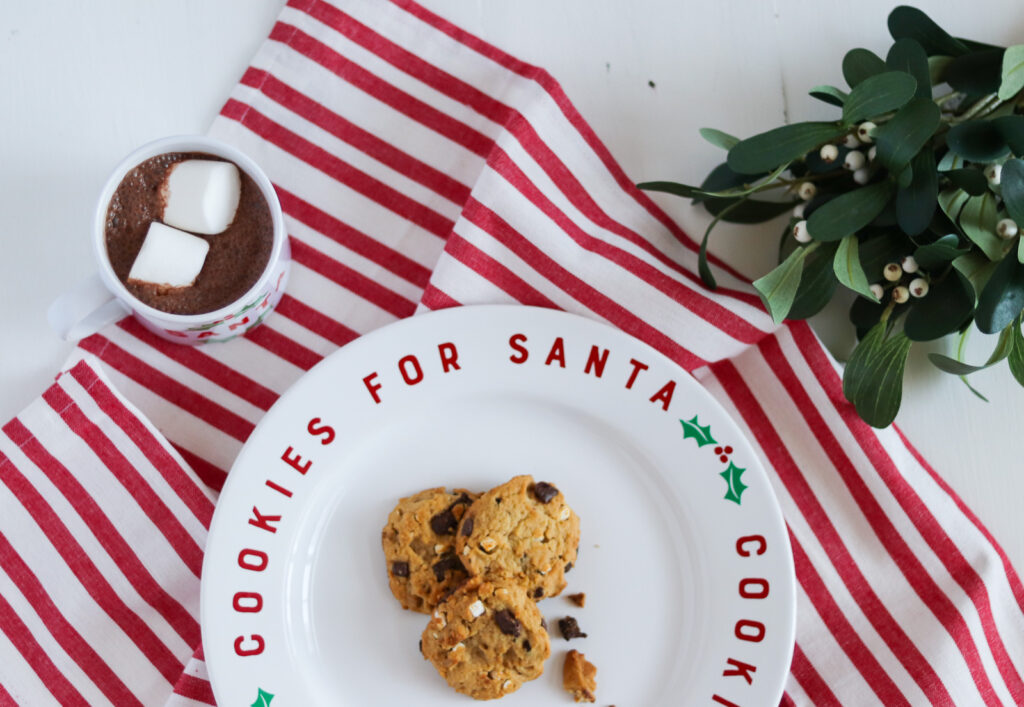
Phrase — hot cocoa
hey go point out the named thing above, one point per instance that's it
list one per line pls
(237, 255)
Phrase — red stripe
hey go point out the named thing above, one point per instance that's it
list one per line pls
(582, 292)
(195, 689)
(5, 698)
(811, 681)
(818, 518)
(168, 467)
(786, 701)
(209, 474)
(339, 170)
(518, 125)
(917, 511)
(402, 102)
(283, 347)
(21, 638)
(549, 84)
(192, 358)
(1011, 574)
(436, 299)
(356, 241)
(134, 483)
(696, 302)
(167, 388)
(105, 532)
(351, 280)
(315, 321)
(364, 141)
(843, 631)
(496, 272)
(63, 632)
(93, 581)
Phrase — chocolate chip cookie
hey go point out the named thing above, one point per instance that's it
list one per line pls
(419, 546)
(486, 639)
(522, 532)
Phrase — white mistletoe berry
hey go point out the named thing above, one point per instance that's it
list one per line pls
(800, 232)
(862, 175)
(900, 294)
(828, 153)
(892, 272)
(865, 131)
(909, 264)
(854, 160)
(918, 287)
(994, 174)
(877, 290)
(798, 211)
(1007, 228)
(851, 142)
(806, 191)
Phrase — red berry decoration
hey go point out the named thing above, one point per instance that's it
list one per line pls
(728, 450)
(724, 458)
(718, 450)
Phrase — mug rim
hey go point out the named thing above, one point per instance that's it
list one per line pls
(184, 143)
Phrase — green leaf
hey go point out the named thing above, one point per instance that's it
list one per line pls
(734, 487)
(765, 152)
(778, 288)
(1012, 78)
(1002, 300)
(958, 368)
(877, 252)
(263, 698)
(693, 430)
(978, 73)
(848, 268)
(947, 305)
(908, 56)
(878, 94)
(915, 204)
(905, 21)
(860, 64)
(817, 283)
(976, 268)
(849, 212)
(1011, 127)
(950, 161)
(829, 94)
(1017, 351)
(940, 252)
(970, 180)
(1012, 183)
(873, 379)
(977, 141)
(978, 218)
(952, 201)
(749, 211)
(684, 190)
(718, 138)
(909, 130)
(937, 66)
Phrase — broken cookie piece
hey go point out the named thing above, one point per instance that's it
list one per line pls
(579, 678)
(570, 628)
(579, 599)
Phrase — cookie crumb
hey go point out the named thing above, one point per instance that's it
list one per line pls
(570, 629)
(579, 677)
(579, 599)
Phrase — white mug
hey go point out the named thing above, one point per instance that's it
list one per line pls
(102, 298)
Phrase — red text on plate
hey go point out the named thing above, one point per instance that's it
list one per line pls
(412, 371)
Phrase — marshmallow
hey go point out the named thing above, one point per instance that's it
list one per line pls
(201, 196)
(169, 257)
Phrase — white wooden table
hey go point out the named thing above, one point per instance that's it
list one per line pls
(82, 84)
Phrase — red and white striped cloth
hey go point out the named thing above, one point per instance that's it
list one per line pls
(421, 167)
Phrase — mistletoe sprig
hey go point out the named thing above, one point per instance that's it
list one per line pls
(913, 199)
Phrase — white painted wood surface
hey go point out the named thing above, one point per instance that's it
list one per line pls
(84, 83)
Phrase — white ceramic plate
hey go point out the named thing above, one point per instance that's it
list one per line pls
(684, 557)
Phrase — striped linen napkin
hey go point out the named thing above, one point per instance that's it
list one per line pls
(421, 168)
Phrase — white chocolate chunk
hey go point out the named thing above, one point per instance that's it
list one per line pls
(201, 196)
(476, 609)
(169, 257)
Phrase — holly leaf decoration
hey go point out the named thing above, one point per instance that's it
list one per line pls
(263, 698)
(735, 486)
(693, 430)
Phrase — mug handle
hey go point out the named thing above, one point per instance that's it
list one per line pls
(84, 310)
